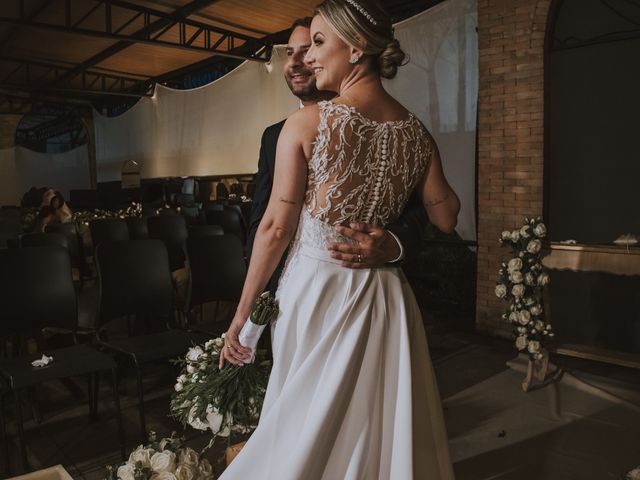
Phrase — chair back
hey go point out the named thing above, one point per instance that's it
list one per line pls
(230, 219)
(205, 231)
(10, 229)
(172, 230)
(137, 228)
(108, 230)
(73, 240)
(36, 289)
(217, 267)
(134, 279)
(44, 239)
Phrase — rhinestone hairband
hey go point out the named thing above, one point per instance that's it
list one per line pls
(359, 7)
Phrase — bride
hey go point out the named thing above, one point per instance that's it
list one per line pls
(352, 394)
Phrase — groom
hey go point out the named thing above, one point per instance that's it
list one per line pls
(373, 246)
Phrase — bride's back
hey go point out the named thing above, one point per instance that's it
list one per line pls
(364, 170)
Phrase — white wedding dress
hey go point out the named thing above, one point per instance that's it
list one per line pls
(352, 394)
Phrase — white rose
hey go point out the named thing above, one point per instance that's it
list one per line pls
(196, 422)
(188, 456)
(141, 455)
(524, 232)
(219, 342)
(181, 379)
(514, 264)
(534, 346)
(164, 461)
(543, 279)
(126, 472)
(536, 309)
(206, 470)
(191, 368)
(506, 235)
(179, 387)
(516, 276)
(186, 472)
(518, 290)
(521, 342)
(513, 317)
(501, 290)
(163, 476)
(524, 317)
(534, 246)
(540, 230)
(530, 278)
(194, 354)
(539, 324)
(515, 236)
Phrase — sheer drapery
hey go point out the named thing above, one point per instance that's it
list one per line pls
(21, 169)
(216, 129)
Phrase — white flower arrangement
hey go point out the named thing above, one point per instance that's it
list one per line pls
(166, 459)
(521, 280)
(229, 399)
(633, 474)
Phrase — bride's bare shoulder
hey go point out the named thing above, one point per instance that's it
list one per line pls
(303, 123)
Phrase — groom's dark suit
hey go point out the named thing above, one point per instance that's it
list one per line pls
(408, 228)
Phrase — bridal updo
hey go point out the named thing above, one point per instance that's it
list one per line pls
(366, 25)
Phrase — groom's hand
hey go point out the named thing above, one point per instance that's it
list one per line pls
(372, 246)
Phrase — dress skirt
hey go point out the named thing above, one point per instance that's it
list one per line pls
(352, 394)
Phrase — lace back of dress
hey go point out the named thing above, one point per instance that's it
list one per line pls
(362, 170)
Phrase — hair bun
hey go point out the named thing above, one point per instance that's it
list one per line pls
(390, 59)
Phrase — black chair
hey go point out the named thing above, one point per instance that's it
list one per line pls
(218, 271)
(137, 228)
(172, 230)
(36, 294)
(44, 240)
(76, 248)
(10, 230)
(205, 231)
(108, 230)
(134, 279)
(229, 218)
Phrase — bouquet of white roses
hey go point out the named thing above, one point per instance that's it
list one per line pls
(166, 459)
(521, 281)
(228, 399)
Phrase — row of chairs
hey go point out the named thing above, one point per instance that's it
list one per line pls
(134, 280)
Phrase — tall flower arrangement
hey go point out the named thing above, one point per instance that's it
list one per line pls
(521, 281)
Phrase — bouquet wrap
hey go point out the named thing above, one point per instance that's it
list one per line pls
(264, 311)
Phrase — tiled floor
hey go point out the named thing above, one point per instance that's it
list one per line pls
(496, 431)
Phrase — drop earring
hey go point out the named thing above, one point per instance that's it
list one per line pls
(354, 59)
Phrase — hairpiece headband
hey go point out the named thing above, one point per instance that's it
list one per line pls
(360, 9)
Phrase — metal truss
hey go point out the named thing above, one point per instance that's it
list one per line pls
(193, 35)
(39, 76)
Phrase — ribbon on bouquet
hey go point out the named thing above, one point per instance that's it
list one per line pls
(265, 309)
(249, 336)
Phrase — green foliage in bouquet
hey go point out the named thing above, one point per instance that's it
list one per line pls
(227, 399)
(521, 281)
(166, 459)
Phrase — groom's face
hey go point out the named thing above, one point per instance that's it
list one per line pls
(299, 76)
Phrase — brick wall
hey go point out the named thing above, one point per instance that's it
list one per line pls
(510, 136)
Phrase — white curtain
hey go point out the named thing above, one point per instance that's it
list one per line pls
(440, 86)
(21, 169)
(216, 129)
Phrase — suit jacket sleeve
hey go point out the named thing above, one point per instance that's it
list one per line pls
(411, 225)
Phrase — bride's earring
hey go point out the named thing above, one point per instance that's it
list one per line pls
(354, 59)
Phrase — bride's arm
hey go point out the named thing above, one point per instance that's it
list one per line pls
(276, 227)
(439, 199)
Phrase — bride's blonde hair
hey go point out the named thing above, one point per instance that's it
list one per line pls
(366, 25)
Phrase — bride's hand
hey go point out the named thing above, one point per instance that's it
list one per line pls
(232, 351)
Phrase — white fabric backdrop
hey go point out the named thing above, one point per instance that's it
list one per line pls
(21, 169)
(216, 129)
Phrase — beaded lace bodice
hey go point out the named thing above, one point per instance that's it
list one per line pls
(362, 170)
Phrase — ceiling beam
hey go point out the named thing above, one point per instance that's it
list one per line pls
(92, 80)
